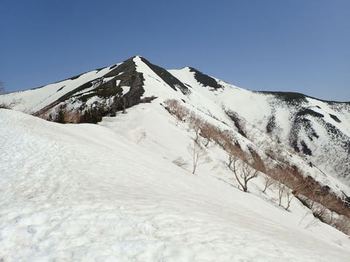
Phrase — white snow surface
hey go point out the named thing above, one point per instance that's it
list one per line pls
(111, 192)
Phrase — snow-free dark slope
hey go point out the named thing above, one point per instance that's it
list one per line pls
(316, 130)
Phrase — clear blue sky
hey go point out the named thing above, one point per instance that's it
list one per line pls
(288, 45)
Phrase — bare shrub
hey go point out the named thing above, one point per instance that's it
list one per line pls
(196, 123)
(289, 197)
(319, 212)
(284, 193)
(268, 182)
(281, 188)
(304, 185)
(197, 153)
(175, 108)
(343, 224)
(209, 132)
(201, 128)
(243, 172)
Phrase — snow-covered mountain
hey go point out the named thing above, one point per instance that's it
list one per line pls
(127, 180)
(319, 131)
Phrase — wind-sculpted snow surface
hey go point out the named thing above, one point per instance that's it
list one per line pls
(109, 193)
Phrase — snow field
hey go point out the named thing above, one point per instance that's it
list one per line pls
(98, 193)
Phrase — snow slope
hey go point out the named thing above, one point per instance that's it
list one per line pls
(32, 100)
(313, 132)
(316, 130)
(111, 192)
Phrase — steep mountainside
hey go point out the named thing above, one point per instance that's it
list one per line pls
(111, 192)
(317, 131)
(127, 179)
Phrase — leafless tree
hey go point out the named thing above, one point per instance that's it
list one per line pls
(281, 189)
(319, 211)
(197, 153)
(284, 191)
(196, 123)
(268, 181)
(343, 224)
(207, 132)
(176, 109)
(289, 197)
(243, 172)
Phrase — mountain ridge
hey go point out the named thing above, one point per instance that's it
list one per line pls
(88, 97)
(300, 142)
(190, 67)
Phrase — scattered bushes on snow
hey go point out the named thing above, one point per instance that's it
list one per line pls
(302, 184)
(324, 214)
(208, 132)
(290, 181)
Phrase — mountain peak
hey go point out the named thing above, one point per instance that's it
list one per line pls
(137, 57)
